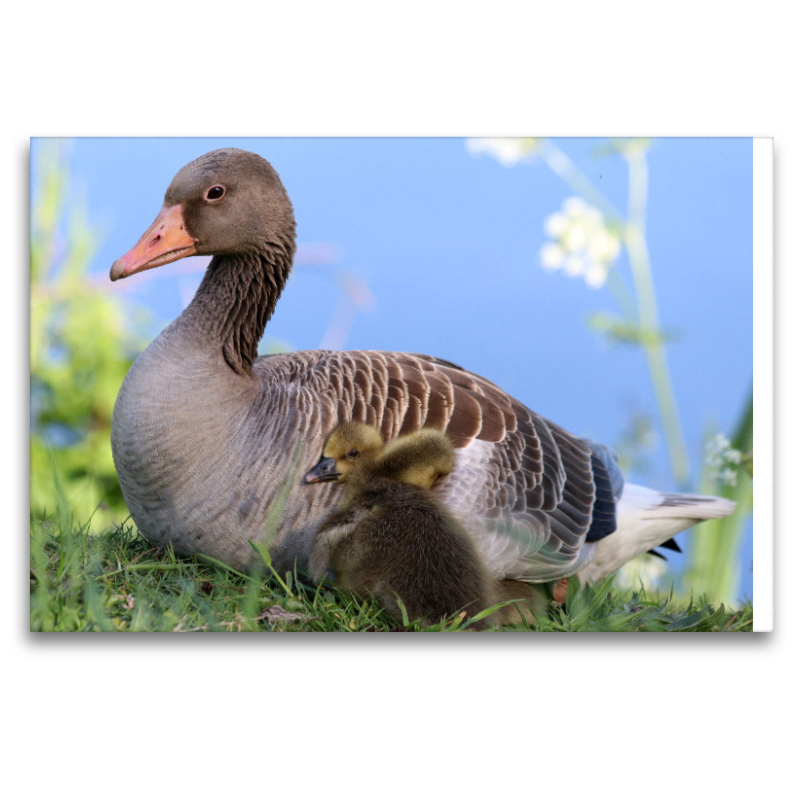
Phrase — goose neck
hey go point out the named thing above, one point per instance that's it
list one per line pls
(236, 299)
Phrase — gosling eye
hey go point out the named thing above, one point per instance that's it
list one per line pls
(353, 453)
(215, 193)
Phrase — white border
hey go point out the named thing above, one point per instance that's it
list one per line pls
(763, 386)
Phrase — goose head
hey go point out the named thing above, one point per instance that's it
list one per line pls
(349, 445)
(227, 202)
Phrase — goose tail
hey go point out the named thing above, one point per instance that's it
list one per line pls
(646, 519)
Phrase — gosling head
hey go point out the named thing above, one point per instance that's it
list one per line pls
(417, 459)
(349, 445)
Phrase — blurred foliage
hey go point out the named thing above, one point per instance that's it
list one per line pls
(618, 330)
(637, 444)
(713, 558)
(81, 349)
(713, 567)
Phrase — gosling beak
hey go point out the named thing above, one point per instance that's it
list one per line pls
(324, 471)
(165, 240)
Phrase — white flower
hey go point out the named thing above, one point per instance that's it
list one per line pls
(556, 225)
(595, 276)
(585, 246)
(728, 477)
(719, 442)
(508, 151)
(575, 238)
(552, 256)
(574, 207)
(604, 247)
(719, 458)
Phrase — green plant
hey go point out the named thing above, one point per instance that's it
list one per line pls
(713, 567)
(116, 581)
(81, 348)
(585, 239)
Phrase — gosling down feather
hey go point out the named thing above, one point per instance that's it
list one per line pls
(211, 442)
(388, 535)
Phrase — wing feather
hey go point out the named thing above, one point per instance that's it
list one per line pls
(526, 489)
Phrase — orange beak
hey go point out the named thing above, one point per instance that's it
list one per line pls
(164, 241)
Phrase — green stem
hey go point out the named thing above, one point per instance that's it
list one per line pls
(563, 166)
(648, 314)
(135, 567)
(622, 294)
(713, 568)
(641, 304)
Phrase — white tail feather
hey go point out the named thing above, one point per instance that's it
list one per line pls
(645, 519)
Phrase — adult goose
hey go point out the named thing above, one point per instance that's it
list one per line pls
(211, 443)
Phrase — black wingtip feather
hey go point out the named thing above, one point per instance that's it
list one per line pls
(604, 512)
(670, 544)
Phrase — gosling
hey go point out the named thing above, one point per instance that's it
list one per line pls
(389, 536)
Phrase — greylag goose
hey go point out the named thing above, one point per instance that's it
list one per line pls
(388, 535)
(211, 442)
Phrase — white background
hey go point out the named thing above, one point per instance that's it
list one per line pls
(390, 716)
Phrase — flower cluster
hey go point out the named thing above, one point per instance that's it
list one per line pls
(508, 151)
(581, 242)
(721, 458)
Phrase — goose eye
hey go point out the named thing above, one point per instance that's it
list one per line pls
(353, 454)
(215, 193)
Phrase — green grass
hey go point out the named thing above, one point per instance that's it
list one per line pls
(117, 581)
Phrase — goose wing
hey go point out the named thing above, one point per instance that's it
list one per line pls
(530, 492)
